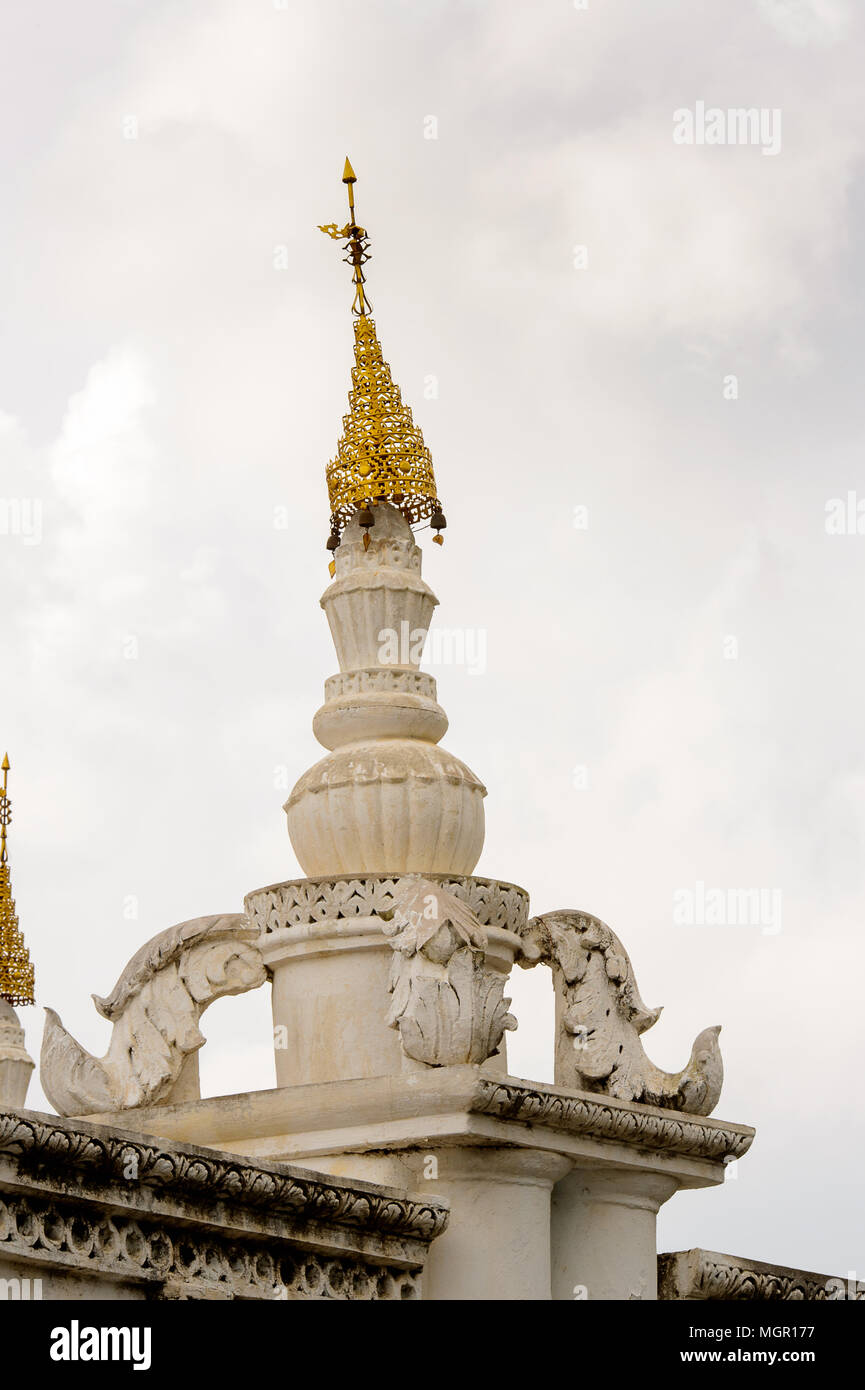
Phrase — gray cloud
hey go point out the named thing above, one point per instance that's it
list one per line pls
(166, 388)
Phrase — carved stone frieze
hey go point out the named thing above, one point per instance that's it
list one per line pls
(600, 1017)
(301, 902)
(376, 679)
(168, 1220)
(621, 1121)
(706, 1274)
(191, 1174)
(179, 1261)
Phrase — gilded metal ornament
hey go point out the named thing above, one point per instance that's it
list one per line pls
(381, 456)
(16, 969)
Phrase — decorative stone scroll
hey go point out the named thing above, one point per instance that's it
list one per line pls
(600, 1017)
(448, 1002)
(155, 1007)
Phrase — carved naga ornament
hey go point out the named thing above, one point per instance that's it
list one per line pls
(600, 1017)
(155, 1008)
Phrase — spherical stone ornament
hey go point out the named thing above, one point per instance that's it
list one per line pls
(387, 806)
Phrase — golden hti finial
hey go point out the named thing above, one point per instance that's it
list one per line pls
(356, 244)
(381, 456)
(16, 970)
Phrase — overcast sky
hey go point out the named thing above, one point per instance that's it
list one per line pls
(672, 692)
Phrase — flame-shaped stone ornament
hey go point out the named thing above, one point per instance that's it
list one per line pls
(155, 1007)
(600, 1016)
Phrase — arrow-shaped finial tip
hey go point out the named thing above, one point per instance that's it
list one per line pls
(348, 174)
(5, 764)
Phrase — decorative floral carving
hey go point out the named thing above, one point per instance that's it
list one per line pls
(155, 1007)
(447, 1002)
(600, 1017)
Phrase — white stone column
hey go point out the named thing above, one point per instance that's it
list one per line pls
(330, 1001)
(16, 1064)
(497, 1242)
(603, 1233)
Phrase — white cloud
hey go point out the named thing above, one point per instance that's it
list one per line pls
(803, 22)
(102, 464)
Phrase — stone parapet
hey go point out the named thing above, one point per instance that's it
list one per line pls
(706, 1274)
(95, 1212)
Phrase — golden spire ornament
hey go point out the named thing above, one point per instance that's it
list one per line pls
(16, 970)
(381, 456)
